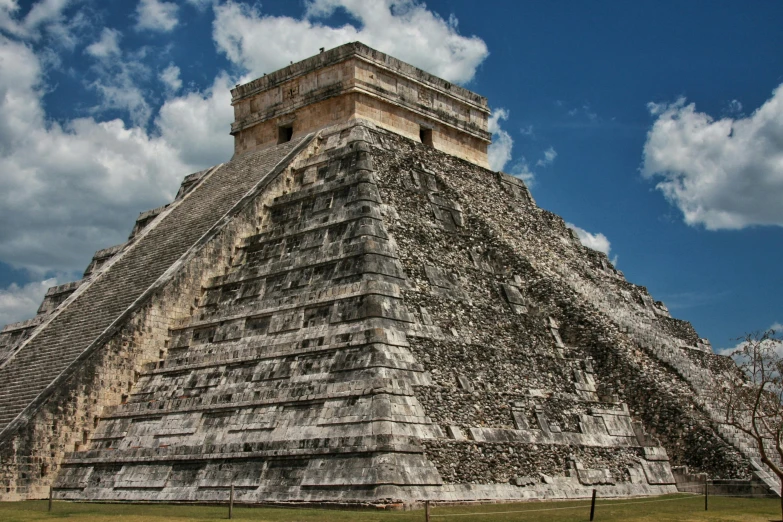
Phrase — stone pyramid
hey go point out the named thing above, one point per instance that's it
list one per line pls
(354, 309)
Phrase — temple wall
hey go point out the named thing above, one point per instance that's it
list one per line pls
(393, 95)
(406, 123)
(306, 119)
(369, 108)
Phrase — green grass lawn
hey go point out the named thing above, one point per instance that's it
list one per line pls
(670, 507)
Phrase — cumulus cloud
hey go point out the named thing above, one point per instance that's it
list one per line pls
(197, 124)
(21, 302)
(117, 84)
(776, 344)
(170, 78)
(549, 157)
(722, 174)
(499, 151)
(71, 188)
(155, 15)
(107, 46)
(596, 241)
(403, 28)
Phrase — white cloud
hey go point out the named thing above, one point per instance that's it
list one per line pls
(596, 241)
(7, 10)
(521, 169)
(197, 124)
(549, 157)
(589, 112)
(723, 174)
(778, 345)
(403, 28)
(202, 4)
(734, 106)
(71, 188)
(118, 87)
(499, 151)
(170, 78)
(107, 46)
(45, 11)
(156, 15)
(44, 17)
(21, 302)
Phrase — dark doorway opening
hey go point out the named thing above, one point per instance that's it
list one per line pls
(285, 133)
(425, 135)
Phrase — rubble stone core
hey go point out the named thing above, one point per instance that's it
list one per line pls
(354, 316)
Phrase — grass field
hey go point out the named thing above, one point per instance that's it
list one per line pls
(667, 508)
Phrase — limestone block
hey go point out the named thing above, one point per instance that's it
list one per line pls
(515, 299)
(591, 477)
(556, 335)
(455, 433)
(286, 321)
(239, 473)
(185, 474)
(520, 420)
(637, 475)
(525, 481)
(652, 453)
(592, 425)
(584, 381)
(142, 476)
(73, 477)
(619, 425)
(543, 423)
(464, 383)
(657, 472)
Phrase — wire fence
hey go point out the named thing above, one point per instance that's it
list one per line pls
(590, 506)
(696, 491)
(691, 491)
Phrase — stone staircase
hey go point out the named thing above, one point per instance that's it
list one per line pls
(57, 349)
(637, 322)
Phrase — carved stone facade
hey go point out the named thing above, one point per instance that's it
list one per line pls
(353, 81)
(354, 316)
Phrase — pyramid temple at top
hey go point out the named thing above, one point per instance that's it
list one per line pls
(355, 309)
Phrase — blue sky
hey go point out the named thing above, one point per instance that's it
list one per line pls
(655, 128)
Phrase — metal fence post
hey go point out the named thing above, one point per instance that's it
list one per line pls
(427, 511)
(706, 495)
(231, 503)
(592, 507)
(50, 497)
